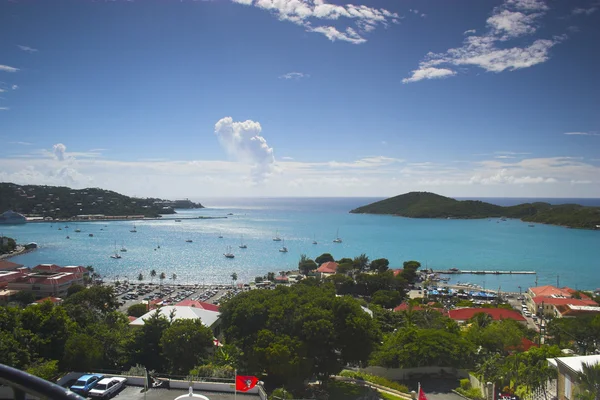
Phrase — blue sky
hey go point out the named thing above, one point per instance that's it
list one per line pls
(302, 97)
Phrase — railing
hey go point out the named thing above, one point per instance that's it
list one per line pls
(23, 383)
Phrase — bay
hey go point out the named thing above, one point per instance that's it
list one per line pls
(567, 256)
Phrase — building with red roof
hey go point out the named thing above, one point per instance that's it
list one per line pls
(281, 279)
(559, 302)
(198, 304)
(398, 271)
(328, 268)
(46, 268)
(462, 315)
(6, 265)
(8, 276)
(46, 280)
(429, 306)
(54, 300)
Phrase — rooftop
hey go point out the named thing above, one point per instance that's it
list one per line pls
(207, 317)
(463, 314)
(6, 265)
(329, 267)
(198, 304)
(553, 291)
(575, 363)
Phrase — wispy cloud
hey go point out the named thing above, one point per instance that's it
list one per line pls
(586, 11)
(287, 158)
(582, 133)
(310, 13)
(470, 32)
(7, 68)
(513, 19)
(294, 75)
(4, 108)
(27, 48)
(22, 143)
(14, 87)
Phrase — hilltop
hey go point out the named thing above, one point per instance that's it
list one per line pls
(431, 205)
(64, 202)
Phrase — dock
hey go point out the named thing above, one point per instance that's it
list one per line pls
(462, 271)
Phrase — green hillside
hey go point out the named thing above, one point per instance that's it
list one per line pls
(64, 202)
(431, 205)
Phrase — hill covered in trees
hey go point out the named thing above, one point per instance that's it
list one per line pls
(64, 202)
(431, 205)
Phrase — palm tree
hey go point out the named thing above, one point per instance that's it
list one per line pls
(234, 278)
(482, 319)
(140, 277)
(162, 278)
(589, 382)
(173, 277)
(152, 274)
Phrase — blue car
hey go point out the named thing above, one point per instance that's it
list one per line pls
(86, 383)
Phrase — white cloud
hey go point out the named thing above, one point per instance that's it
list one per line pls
(7, 68)
(307, 13)
(14, 87)
(59, 151)
(294, 75)
(22, 143)
(429, 73)
(582, 133)
(4, 108)
(586, 11)
(27, 48)
(513, 19)
(243, 141)
(470, 32)
(287, 158)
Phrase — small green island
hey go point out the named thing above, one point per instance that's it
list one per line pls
(431, 205)
(59, 202)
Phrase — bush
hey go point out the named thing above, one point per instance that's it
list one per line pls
(465, 384)
(47, 370)
(378, 380)
(473, 393)
(137, 310)
(213, 371)
(280, 393)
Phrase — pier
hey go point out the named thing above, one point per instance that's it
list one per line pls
(459, 271)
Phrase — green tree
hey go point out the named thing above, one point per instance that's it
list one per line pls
(387, 298)
(82, 353)
(343, 284)
(379, 265)
(74, 289)
(361, 262)
(234, 278)
(137, 310)
(271, 276)
(589, 382)
(185, 343)
(173, 277)
(24, 298)
(140, 277)
(146, 345)
(345, 268)
(482, 319)
(409, 273)
(306, 265)
(323, 258)
(152, 275)
(47, 370)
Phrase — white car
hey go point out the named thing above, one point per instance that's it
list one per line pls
(107, 387)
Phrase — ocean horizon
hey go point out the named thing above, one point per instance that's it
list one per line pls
(558, 255)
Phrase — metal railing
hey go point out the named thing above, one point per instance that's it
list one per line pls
(23, 383)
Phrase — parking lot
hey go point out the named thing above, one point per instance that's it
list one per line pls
(129, 294)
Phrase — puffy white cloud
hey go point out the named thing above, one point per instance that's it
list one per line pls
(14, 87)
(429, 73)
(514, 18)
(294, 75)
(7, 68)
(243, 141)
(307, 13)
(59, 151)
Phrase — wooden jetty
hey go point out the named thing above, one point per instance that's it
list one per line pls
(462, 271)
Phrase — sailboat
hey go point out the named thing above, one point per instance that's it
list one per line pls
(133, 230)
(67, 228)
(189, 241)
(77, 229)
(283, 249)
(242, 245)
(228, 253)
(277, 238)
(157, 245)
(220, 236)
(116, 255)
(314, 240)
(123, 249)
(337, 238)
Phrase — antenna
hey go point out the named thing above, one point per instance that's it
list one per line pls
(557, 280)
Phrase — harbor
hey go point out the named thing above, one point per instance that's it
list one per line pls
(455, 271)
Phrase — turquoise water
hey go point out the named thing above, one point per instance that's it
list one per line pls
(466, 244)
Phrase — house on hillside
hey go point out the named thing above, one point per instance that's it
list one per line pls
(327, 269)
(555, 302)
(568, 368)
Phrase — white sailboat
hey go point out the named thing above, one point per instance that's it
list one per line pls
(277, 238)
(77, 229)
(283, 249)
(116, 255)
(314, 240)
(337, 239)
(134, 229)
(220, 235)
(123, 249)
(228, 253)
(242, 245)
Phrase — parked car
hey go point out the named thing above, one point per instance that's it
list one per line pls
(85, 383)
(107, 387)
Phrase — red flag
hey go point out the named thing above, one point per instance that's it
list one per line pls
(422, 394)
(245, 383)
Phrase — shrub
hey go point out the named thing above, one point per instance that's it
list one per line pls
(472, 393)
(378, 380)
(465, 384)
(213, 371)
(137, 310)
(280, 393)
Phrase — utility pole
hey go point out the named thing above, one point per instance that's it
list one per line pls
(557, 277)
(536, 277)
(520, 292)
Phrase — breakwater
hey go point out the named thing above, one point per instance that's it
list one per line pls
(459, 271)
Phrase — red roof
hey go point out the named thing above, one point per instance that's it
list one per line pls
(282, 278)
(198, 304)
(47, 267)
(6, 265)
(131, 318)
(555, 301)
(397, 271)
(549, 290)
(76, 269)
(404, 307)
(463, 314)
(54, 300)
(329, 267)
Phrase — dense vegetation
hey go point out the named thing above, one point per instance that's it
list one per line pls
(431, 205)
(7, 245)
(64, 202)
